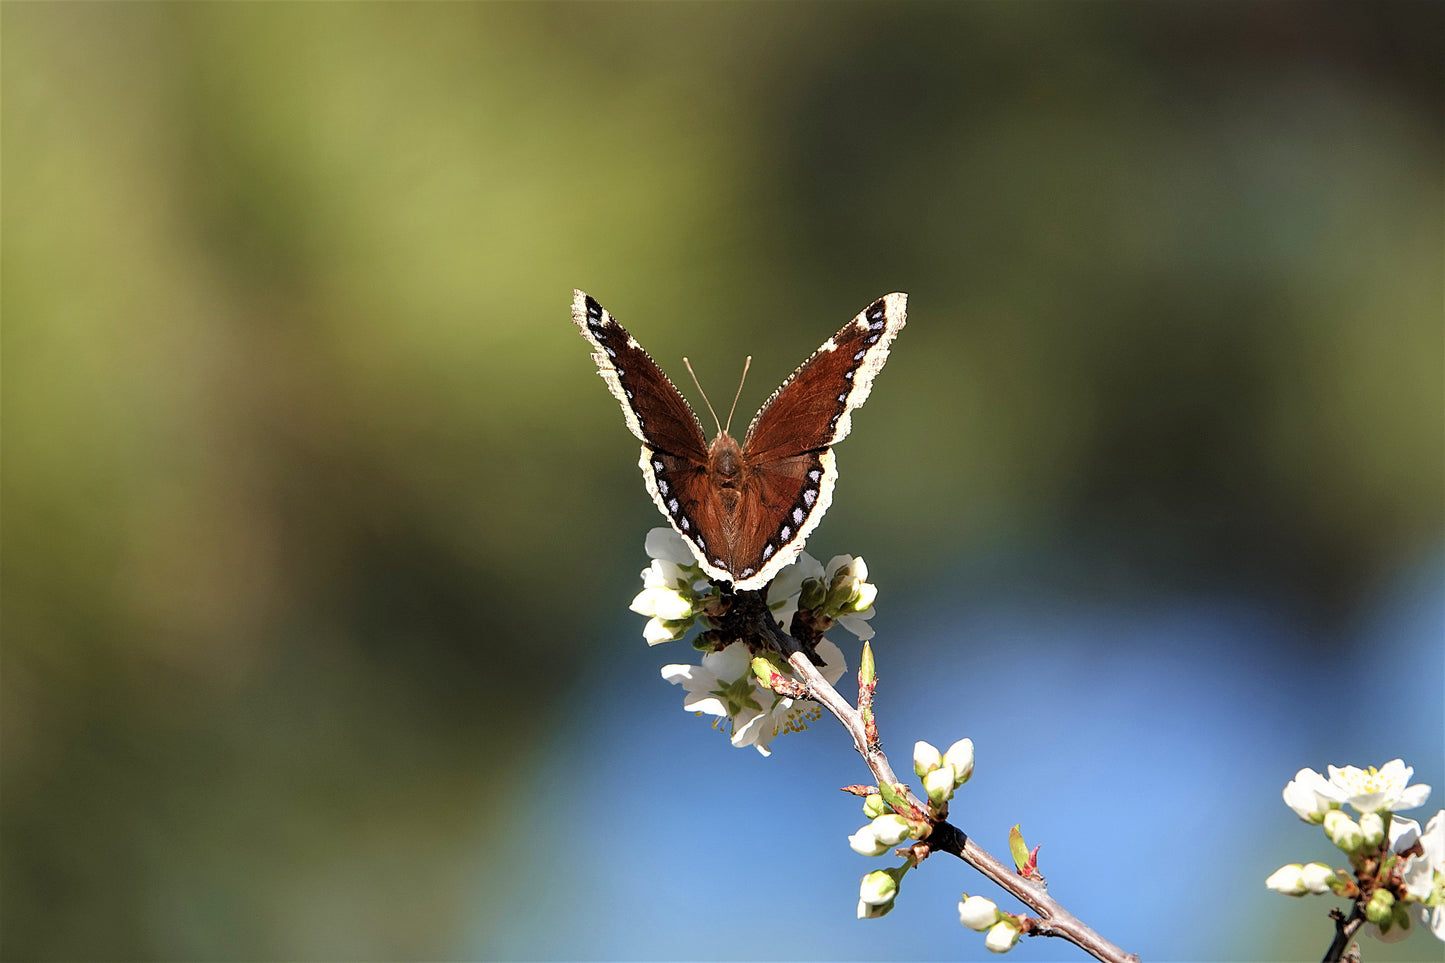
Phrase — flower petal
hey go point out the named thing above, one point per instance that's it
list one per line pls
(666, 544)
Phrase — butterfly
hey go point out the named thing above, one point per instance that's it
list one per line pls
(745, 509)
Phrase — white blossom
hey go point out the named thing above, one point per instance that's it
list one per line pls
(925, 758)
(866, 843)
(1288, 879)
(1424, 874)
(665, 544)
(1375, 790)
(877, 888)
(673, 588)
(939, 784)
(1343, 831)
(850, 594)
(977, 912)
(781, 714)
(1310, 796)
(1372, 829)
(1316, 877)
(891, 829)
(663, 603)
(871, 911)
(723, 685)
(960, 757)
(785, 589)
(1001, 936)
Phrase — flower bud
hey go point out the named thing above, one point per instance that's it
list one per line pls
(865, 843)
(870, 911)
(977, 912)
(939, 784)
(1372, 829)
(925, 758)
(1287, 880)
(1001, 936)
(763, 671)
(1343, 831)
(657, 631)
(874, 806)
(878, 887)
(867, 670)
(1381, 907)
(845, 576)
(664, 603)
(811, 595)
(891, 829)
(1316, 878)
(960, 757)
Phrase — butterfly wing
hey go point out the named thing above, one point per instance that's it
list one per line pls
(787, 453)
(654, 409)
(674, 449)
(813, 408)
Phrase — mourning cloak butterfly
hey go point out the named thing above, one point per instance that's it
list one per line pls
(745, 510)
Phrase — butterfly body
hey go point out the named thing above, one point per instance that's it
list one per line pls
(744, 509)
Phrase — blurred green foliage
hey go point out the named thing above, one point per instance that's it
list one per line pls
(312, 504)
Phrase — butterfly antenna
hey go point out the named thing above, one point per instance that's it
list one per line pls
(703, 393)
(746, 365)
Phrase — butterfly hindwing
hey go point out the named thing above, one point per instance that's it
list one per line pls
(785, 500)
(679, 486)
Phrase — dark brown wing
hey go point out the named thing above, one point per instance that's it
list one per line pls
(782, 503)
(674, 451)
(654, 409)
(813, 408)
(787, 455)
(683, 492)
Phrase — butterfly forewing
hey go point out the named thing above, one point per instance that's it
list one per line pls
(813, 408)
(655, 411)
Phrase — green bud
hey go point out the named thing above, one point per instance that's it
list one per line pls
(1381, 907)
(839, 595)
(874, 806)
(893, 797)
(1017, 848)
(867, 673)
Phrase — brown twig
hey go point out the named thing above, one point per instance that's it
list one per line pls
(1053, 919)
(1345, 930)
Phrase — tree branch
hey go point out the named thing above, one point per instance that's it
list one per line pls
(1345, 930)
(1053, 919)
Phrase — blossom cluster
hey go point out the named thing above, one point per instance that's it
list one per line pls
(892, 823)
(942, 773)
(1393, 864)
(982, 914)
(677, 595)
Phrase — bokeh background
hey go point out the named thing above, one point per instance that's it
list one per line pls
(319, 529)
